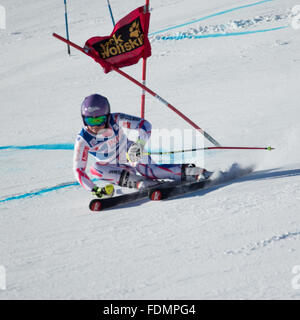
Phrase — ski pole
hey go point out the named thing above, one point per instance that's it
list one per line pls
(207, 148)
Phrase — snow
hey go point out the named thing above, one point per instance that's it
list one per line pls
(236, 240)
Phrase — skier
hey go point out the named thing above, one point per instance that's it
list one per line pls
(119, 160)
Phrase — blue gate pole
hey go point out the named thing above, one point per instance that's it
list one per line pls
(67, 26)
(111, 14)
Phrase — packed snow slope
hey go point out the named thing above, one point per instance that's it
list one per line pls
(235, 71)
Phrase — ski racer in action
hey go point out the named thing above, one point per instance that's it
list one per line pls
(119, 160)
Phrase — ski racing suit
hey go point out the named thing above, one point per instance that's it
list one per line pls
(109, 147)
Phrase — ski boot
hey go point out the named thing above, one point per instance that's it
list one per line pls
(191, 173)
(134, 181)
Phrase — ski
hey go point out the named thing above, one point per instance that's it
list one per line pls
(102, 204)
(166, 192)
(162, 191)
(106, 203)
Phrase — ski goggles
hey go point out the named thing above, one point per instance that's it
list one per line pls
(97, 121)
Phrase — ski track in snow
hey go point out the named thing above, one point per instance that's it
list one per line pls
(229, 27)
(252, 247)
(213, 15)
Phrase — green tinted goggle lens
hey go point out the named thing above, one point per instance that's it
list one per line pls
(98, 121)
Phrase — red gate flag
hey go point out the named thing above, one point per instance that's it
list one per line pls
(126, 45)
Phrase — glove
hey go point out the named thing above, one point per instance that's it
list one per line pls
(135, 152)
(108, 191)
(97, 191)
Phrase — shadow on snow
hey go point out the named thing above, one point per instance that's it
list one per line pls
(256, 176)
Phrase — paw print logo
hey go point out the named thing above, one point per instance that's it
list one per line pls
(135, 30)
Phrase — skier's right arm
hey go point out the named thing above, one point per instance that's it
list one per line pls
(80, 159)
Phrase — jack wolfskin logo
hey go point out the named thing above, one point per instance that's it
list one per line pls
(135, 30)
(125, 39)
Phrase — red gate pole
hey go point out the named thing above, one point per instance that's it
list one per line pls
(162, 100)
(166, 103)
